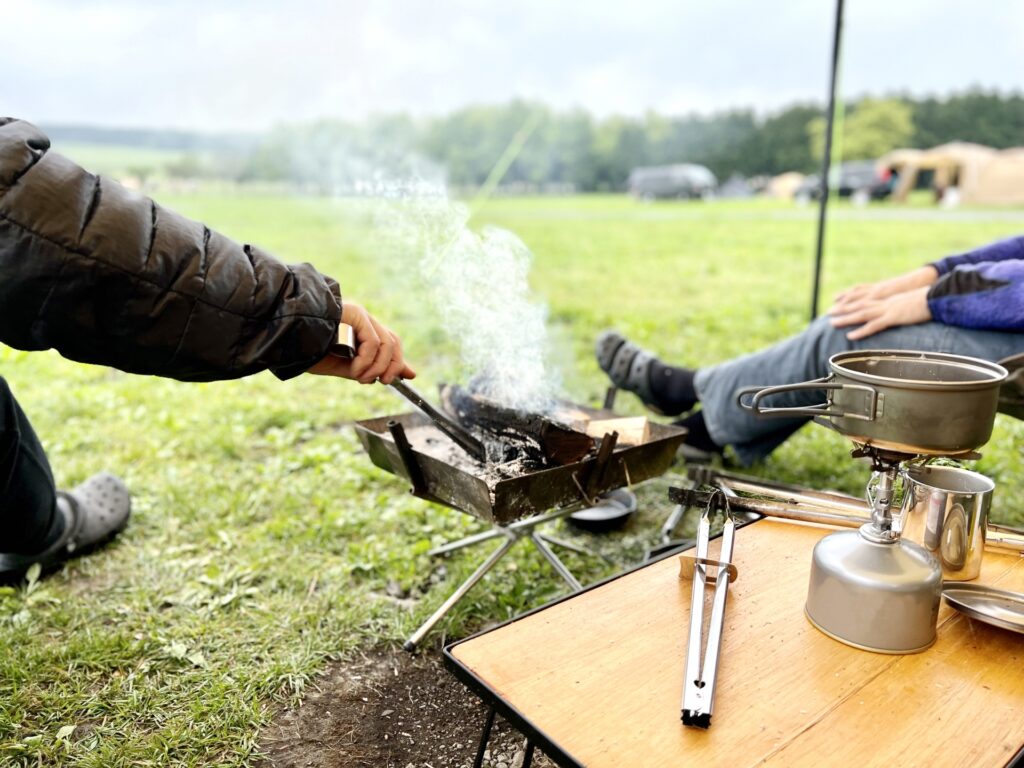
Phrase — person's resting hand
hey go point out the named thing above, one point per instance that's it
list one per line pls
(378, 351)
(859, 296)
(908, 308)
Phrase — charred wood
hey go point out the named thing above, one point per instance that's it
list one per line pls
(509, 433)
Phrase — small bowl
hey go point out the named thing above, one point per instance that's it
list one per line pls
(611, 512)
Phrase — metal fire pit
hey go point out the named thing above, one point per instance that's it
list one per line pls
(505, 501)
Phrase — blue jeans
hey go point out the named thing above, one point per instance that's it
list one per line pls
(804, 357)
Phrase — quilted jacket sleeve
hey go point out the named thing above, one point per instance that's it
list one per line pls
(104, 275)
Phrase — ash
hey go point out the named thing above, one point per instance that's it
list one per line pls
(506, 459)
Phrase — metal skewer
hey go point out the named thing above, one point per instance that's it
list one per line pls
(702, 669)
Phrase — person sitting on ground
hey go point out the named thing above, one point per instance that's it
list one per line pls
(969, 304)
(106, 276)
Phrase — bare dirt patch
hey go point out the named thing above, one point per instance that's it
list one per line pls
(388, 709)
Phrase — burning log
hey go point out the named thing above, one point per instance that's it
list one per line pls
(513, 432)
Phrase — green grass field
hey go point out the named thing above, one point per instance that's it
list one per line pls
(119, 161)
(264, 542)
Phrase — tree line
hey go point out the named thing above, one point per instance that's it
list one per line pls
(573, 149)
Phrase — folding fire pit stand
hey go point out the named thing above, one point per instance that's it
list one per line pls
(523, 529)
(516, 505)
(512, 533)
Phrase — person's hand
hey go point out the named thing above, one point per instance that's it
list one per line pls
(378, 351)
(908, 308)
(861, 295)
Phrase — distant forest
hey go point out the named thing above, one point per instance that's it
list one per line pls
(573, 149)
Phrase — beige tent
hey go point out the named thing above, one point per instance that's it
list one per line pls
(981, 174)
(785, 185)
(1001, 182)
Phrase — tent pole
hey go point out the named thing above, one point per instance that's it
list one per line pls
(827, 159)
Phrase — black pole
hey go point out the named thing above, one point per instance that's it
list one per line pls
(826, 161)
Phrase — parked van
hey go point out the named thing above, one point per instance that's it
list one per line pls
(682, 181)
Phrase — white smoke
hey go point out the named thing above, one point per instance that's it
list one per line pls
(475, 282)
(478, 285)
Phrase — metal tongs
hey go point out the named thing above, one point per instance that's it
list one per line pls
(701, 672)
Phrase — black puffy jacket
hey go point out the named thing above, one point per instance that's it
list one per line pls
(104, 275)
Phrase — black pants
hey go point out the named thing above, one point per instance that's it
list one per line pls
(29, 522)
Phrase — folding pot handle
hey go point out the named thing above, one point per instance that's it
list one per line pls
(822, 409)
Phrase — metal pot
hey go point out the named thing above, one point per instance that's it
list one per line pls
(909, 402)
(945, 510)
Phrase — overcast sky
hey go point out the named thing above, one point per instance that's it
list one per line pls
(248, 64)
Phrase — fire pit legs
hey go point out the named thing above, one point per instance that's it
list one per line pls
(492, 559)
(557, 564)
(522, 529)
(469, 541)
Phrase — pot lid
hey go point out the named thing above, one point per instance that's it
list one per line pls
(988, 604)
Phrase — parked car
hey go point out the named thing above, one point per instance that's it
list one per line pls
(685, 180)
(862, 179)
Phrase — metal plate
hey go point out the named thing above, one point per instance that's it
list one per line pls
(992, 606)
(612, 511)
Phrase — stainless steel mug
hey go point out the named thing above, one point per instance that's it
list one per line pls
(945, 510)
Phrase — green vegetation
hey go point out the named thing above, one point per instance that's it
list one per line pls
(589, 154)
(120, 161)
(875, 127)
(264, 541)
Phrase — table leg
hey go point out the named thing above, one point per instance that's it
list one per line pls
(484, 738)
(528, 757)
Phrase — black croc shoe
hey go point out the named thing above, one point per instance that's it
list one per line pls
(94, 513)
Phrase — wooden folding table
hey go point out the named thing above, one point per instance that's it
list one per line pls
(595, 679)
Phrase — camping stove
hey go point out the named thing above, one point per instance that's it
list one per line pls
(870, 588)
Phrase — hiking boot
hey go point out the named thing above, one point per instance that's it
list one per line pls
(94, 513)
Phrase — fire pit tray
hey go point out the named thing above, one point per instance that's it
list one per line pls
(505, 501)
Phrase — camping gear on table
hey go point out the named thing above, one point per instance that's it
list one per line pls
(998, 607)
(945, 510)
(891, 400)
(701, 671)
(874, 589)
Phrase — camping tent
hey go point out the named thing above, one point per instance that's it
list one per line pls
(785, 185)
(981, 174)
(1001, 181)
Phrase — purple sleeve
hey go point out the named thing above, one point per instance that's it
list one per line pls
(988, 296)
(1011, 248)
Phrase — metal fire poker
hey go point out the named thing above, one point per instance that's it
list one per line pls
(701, 672)
(456, 432)
(346, 348)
